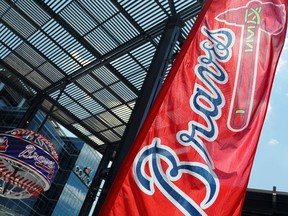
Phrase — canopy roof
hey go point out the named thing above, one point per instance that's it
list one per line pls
(86, 59)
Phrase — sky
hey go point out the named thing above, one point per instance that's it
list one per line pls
(270, 166)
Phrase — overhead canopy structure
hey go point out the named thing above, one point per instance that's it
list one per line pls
(84, 62)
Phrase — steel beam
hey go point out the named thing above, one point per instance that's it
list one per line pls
(138, 41)
(96, 182)
(50, 110)
(31, 111)
(83, 42)
(11, 84)
(152, 84)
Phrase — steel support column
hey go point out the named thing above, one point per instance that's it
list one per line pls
(31, 111)
(152, 84)
(96, 182)
(50, 110)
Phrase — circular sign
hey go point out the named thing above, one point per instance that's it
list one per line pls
(28, 163)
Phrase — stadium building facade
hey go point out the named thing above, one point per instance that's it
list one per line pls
(78, 163)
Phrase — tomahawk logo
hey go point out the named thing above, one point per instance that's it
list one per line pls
(255, 19)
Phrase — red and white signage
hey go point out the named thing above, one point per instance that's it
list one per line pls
(194, 154)
(28, 164)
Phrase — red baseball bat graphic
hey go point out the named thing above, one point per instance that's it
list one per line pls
(255, 19)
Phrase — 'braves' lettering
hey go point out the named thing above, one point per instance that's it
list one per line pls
(209, 71)
(206, 101)
(152, 155)
(40, 161)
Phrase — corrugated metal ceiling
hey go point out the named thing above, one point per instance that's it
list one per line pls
(96, 54)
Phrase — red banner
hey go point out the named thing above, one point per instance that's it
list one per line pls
(194, 154)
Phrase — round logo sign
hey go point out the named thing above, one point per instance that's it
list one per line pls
(28, 163)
